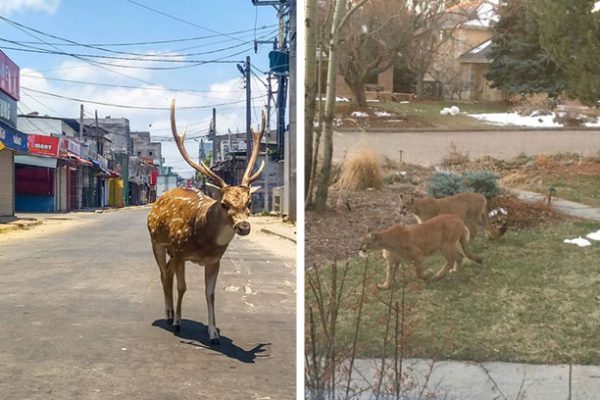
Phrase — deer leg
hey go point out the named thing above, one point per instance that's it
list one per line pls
(181, 287)
(391, 265)
(160, 254)
(211, 271)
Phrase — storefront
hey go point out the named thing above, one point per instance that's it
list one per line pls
(12, 142)
(35, 175)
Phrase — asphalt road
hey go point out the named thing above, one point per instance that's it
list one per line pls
(429, 148)
(81, 306)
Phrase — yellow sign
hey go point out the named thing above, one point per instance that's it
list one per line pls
(2, 146)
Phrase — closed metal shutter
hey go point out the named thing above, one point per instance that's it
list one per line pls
(7, 183)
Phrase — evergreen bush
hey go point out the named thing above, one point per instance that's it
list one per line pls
(482, 182)
(444, 184)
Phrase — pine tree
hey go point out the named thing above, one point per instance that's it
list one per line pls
(570, 32)
(520, 64)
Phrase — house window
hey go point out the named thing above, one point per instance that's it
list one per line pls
(150, 153)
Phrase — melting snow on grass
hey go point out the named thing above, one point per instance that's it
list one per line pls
(594, 235)
(581, 242)
(450, 111)
(359, 114)
(534, 120)
(383, 114)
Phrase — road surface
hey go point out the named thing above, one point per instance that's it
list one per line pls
(429, 148)
(81, 306)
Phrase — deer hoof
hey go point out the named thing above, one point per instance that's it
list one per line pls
(215, 342)
(176, 328)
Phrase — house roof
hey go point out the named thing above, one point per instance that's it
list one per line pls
(478, 54)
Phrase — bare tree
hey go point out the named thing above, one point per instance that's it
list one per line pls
(341, 15)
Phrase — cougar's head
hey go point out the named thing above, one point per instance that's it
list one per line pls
(370, 242)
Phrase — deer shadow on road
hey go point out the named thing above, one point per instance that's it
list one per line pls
(196, 334)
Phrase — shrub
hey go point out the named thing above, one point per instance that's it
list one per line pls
(444, 184)
(483, 182)
(361, 170)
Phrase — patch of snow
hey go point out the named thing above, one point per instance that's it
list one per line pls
(359, 114)
(383, 114)
(534, 121)
(593, 124)
(450, 111)
(373, 101)
(482, 46)
(395, 120)
(594, 235)
(337, 98)
(405, 102)
(581, 242)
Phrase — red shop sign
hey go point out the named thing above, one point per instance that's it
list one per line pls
(41, 145)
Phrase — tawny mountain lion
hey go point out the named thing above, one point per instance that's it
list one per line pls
(445, 233)
(470, 207)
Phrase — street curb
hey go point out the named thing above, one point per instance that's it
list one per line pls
(281, 235)
(17, 225)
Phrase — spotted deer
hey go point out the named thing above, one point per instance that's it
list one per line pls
(187, 225)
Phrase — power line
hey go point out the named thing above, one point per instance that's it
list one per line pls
(169, 57)
(192, 92)
(156, 41)
(121, 105)
(179, 19)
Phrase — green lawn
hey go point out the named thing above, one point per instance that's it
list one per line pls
(429, 111)
(535, 299)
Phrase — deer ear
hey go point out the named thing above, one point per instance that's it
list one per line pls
(214, 191)
(401, 197)
(254, 189)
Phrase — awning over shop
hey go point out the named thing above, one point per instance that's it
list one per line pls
(46, 162)
(80, 161)
(13, 138)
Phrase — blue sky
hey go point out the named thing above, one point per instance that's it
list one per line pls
(111, 22)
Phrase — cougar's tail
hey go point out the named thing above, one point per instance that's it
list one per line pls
(463, 247)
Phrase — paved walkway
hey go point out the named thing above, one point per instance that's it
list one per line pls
(454, 380)
(567, 207)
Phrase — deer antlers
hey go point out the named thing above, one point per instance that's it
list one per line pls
(202, 168)
(256, 138)
(205, 170)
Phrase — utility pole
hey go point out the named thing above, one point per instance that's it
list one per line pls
(245, 70)
(290, 155)
(80, 121)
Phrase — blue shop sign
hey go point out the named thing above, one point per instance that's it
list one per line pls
(8, 110)
(13, 138)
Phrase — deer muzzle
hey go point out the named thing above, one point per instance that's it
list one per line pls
(242, 228)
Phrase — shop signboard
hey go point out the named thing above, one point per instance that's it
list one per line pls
(8, 110)
(73, 147)
(41, 145)
(12, 138)
(9, 77)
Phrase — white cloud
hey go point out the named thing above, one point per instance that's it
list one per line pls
(10, 6)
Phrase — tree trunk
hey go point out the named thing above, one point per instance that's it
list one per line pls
(310, 90)
(359, 95)
(325, 173)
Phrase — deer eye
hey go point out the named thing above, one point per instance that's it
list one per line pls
(225, 206)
